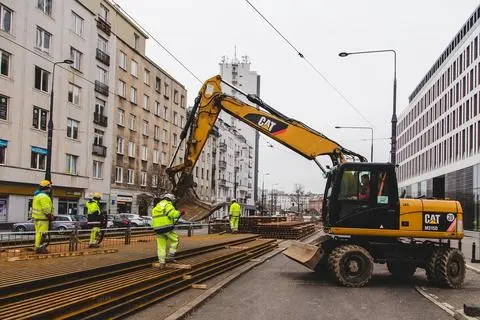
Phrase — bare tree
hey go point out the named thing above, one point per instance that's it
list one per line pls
(298, 196)
(153, 191)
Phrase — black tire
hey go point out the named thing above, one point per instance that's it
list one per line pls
(401, 269)
(20, 229)
(351, 265)
(430, 267)
(61, 230)
(450, 268)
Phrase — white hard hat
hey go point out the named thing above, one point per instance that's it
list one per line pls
(169, 196)
(234, 200)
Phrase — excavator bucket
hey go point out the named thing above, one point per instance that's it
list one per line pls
(195, 209)
(307, 254)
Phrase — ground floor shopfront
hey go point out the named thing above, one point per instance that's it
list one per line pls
(462, 185)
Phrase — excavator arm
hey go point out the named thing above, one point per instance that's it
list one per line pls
(209, 103)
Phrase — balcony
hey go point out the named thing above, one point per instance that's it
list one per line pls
(101, 88)
(222, 182)
(103, 57)
(222, 146)
(100, 119)
(222, 164)
(104, 26)
(99, 150)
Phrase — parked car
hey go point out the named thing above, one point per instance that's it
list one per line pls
(135, 220)
(82, 221)
(185, 224)
(147, 221)
(61, 223)
(118, 221)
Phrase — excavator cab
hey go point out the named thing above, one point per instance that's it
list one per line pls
(362, 195)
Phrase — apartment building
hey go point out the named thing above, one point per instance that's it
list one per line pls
(439, 132)
(35, 36)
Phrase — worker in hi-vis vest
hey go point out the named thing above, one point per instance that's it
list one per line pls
(42, 213)
(234, 214)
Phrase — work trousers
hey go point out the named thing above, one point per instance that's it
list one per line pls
(94, 234)
(162, 244)
(41, 226)
(234, 223)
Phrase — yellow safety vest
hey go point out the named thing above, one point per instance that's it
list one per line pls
(164, 214)
(93, 207)
(235, 209)
(41, 206)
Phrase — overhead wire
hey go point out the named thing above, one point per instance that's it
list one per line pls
(317, 71)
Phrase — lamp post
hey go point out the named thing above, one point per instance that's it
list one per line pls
(393, 149)
(272, 208)
(48, 171)
(263, 190)
(371, 137)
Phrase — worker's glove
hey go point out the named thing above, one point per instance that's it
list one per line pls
(182, 212)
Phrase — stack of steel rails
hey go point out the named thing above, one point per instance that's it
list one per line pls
(249, 224)
(113, 293)
(285, 230)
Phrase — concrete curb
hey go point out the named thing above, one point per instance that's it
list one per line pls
(459, 315)
(188, 308)
(476, 270)
(435, 301)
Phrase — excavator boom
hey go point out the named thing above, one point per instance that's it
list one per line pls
(209, 103)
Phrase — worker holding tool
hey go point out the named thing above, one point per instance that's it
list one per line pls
(164, 218)
(234, 214)
(42, 213)
(95, 218)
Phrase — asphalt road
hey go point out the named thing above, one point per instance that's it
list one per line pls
(282, 289)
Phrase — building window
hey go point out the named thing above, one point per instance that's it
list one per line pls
(165, 136)
(77, 24)
(175, 118)
(41, 79)
(103, 13)
(72, 128)
(102, 75)
(98, 136)
(97, 169)
(5, 63)
(158, 84)
(133, 95)
(145, 102)
(146, 77)
(3, 107)
(39, 120)
(102, 44)
(38, 158)
(121, 117)
(134, 68)
(156, 133)
(131, 149)
(3, 151)
(165, 113)
(122, 89)
(43, 40)
(122, 61)
(120, 144)
(136, 40)
(175, 96)
(45, 6)
(143, 179)
(156, 156)
(157, 110)
(145, 128)
(182, 119)
(73, 94)
(174, 139)
(71, 164)
(130, 176)
(99, 107)
(165, 92)
(144, 153)
(182, 101)
(131, 122)
(118, 175)
(5, 18)
(154, 180)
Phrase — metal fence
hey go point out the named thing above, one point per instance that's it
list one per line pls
(18, 244)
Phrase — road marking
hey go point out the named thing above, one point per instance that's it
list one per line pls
(435, 301)
(469, 267)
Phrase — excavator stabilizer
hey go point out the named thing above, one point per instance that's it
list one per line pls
(307, 254)
(195, 209)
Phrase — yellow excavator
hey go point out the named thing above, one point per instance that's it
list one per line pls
(364, 219)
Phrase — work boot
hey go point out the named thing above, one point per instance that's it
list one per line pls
(171, 258)
(93, 245)
(41, 250)
(159, 265)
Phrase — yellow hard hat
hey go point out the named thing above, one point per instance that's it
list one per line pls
(97, 195)
(45, 183)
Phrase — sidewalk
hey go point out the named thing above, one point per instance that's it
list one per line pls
(467, 241)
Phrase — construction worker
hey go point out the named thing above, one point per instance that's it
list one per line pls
(42, 213)
(164, 216)
(234, 214)
(95, 218)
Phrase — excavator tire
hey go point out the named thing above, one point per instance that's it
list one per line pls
(351, 265)
(430, 267)
(450, 268)
(401, 269)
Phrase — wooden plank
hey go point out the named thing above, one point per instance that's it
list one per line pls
(178, 266)
(199, 286)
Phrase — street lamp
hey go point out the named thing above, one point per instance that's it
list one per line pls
(263, 190)
(48, 172)
(393, 149)
(371, 139)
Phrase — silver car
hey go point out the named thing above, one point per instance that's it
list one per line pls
(62, 223)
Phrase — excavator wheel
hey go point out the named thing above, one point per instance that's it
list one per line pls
(450, 268)
(351, 265)
(430, 267)
(401, 269)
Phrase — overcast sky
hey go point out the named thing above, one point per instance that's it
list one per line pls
(199, 33)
